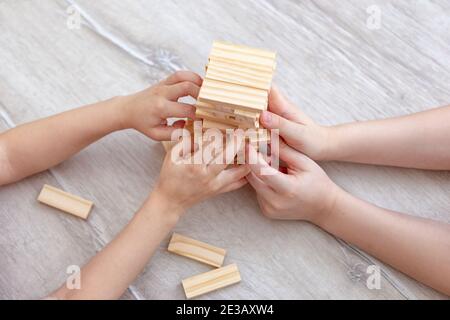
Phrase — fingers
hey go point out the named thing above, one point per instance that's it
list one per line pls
(270, 176)
(260, 187)
(279, 105)
(178, 110)
(164, 132)
(179, 124)
(234, 186)
(229, 176)
(293, 158)
(182, 89)
(181, 76)
(227, 155)
(289, 130)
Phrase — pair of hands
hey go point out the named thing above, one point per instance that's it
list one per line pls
(180, 186)
(300, 192)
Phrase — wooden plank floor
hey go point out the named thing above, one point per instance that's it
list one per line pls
(329, 63)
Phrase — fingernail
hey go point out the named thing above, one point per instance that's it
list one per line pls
(266, 117)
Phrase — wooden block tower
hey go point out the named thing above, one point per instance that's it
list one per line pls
(236, 87)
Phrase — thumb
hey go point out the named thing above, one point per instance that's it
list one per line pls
(289, 130)
(293, 158)
(280, 105)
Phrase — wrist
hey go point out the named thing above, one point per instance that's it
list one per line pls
(170, 209)
(335, 149)
(330, 206)
(122, 107)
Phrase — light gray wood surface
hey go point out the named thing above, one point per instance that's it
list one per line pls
(329, 63)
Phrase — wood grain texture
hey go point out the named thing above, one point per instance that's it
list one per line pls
(196, 250)
(65, 202)
(212, 280)
(329, 63)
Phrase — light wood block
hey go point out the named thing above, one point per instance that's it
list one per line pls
(241, 68)
(250, 56)
(247, 114)
(236, 77)
(210, 124)
(231, 102)
(210, 281)
(241, 121)
(197, 250)
(215, 115)
(65, 201)
(230, 87)
(264, 69)
(244, 49)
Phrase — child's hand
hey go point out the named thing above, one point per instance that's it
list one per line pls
(183, 184)
(304, 193)
(147, 111)
(296, 128)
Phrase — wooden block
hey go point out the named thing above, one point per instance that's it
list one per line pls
(264, 69)
(240, 68)
(247, 114)
(250, 56)
(215, 115)
(236, 77)
(241, 121)
(235, 88)
(244, 49)
(232, 96)
(214, 106)
(210, 281)
(210, 124)
(230, 101)
(253, 93)
(197, 250)
(66, 202)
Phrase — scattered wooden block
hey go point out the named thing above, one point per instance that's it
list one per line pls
(210, 281)
(66, 202)
(197, 250)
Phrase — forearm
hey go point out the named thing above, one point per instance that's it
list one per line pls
(39, 145)
(418, 247)
(110, 272)
(420, 140)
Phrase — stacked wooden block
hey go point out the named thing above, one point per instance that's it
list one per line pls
(236, 87)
